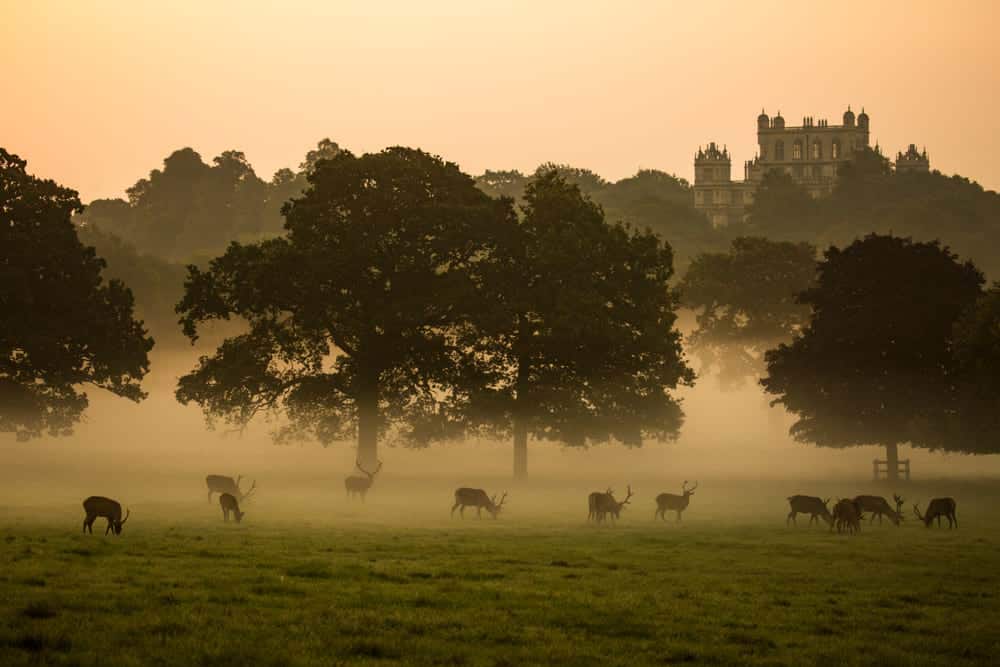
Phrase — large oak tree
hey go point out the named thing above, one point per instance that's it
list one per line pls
(576, 341)
(874, 364)
(61, 325)
(351, 313)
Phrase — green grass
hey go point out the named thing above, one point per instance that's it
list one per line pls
(388, 583)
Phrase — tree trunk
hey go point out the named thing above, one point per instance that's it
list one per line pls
(521, 422)
(368, 419)
(892, 461)
(520, 448)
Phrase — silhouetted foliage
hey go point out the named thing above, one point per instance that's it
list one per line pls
(575, 340)
(351, 313)
(61, 324)
(976, 348)
(190, 209)
(650, 199)
(746, 303)
(872, 198)
(156, 283)
(874, 364)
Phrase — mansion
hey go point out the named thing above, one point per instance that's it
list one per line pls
(810, 153)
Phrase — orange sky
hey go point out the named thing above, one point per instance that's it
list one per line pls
(97, 93)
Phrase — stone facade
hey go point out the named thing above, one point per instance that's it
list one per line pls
(810, 153)
(913, 161)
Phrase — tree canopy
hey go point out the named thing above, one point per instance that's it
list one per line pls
(746, 302)
(351, 312)
(576, 339)
(976, 348)
(61, 325)
(870, 197)
(874, 364)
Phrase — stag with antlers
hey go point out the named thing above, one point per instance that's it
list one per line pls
(222, 484)
(878, 506)
(670, 501)
(939, 507)
(477, 498)
(99, 506)
(603, 504)
(358, 485)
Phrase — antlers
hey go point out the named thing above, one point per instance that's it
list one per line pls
(498, 505)
(916, 510)
(627, 496)
(127, 513)
(246, 495)
(370, 474)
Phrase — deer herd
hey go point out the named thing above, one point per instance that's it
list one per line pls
(846, 516)
(848, 513)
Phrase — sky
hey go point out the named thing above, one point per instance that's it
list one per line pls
(97, 93)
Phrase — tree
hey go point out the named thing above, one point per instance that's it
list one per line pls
(509, 183)
(350, 314)
(578, 342)
(156, 284)
(61, 325)
(873, 365)
(976, 348)
(746, 303)
(782, 210)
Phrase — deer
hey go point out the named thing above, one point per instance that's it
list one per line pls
(605, 503)
(815, 507)
(99, 506)
(594, 499)
(847, 516)
(937, 508)
(670, 501)
(223, 484)
(228, 503)
(477, 498)
(878, 506)
(355, 484)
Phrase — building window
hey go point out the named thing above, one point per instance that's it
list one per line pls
(797, 150)
(763, 152)
(835, 149)
(779, 150)
(817, 152)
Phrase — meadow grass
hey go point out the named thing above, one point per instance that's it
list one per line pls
(391, 582)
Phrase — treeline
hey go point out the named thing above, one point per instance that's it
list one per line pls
(402, 301)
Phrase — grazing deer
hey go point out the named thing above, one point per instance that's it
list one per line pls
(815, 507)
(228, 503)
(477, 498)
(939, 507)
(847, 516)
(670, 501)
(878, 506)
(223, 484)
(604, 504)
(355, 484)
(594, 499)
(111, 510)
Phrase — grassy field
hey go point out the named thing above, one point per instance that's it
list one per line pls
(313, 580)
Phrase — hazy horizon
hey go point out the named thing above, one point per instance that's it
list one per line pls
(106, 93)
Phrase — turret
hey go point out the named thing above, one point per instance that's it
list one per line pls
(712, 165)
(778, 123)
(763, 122)
(913, 161)
(848, 117)
(863, 120)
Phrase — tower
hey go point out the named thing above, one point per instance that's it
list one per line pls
(913, 161)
